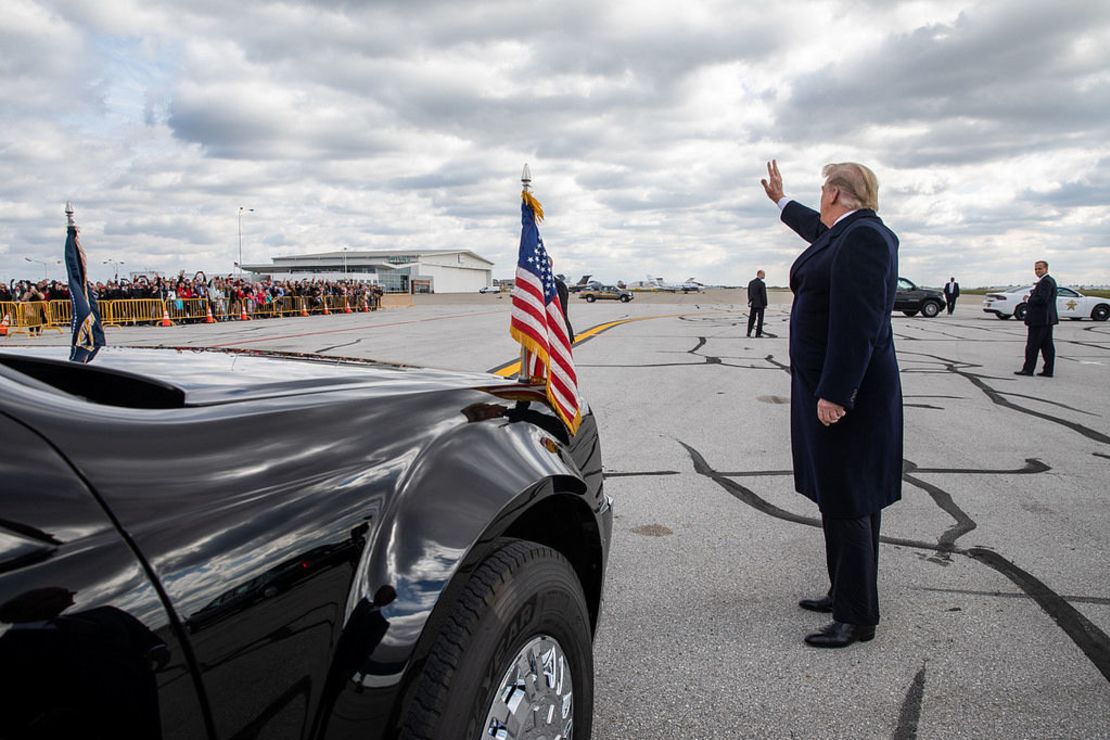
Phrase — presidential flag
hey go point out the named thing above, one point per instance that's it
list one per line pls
(88, 333)
(537, 319)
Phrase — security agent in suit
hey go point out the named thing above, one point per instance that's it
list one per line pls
(846, 395)
(757, 300)
(951, 293)
(1040, 317)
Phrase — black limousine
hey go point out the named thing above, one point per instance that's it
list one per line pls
(227, 545)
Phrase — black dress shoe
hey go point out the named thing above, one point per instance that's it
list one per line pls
(1022, 372)
(1045, 375)
(823, 604)
(840, 634)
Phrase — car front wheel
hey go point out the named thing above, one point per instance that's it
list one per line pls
(929, 309)
(1019, 312)
(515, 658)
(1101, 312)
(625, 299)
(590, 299)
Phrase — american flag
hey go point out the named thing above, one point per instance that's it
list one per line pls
(537, 319)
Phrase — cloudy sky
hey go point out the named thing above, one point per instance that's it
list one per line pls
(385, 125)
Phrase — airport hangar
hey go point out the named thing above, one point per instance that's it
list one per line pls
(401, 271)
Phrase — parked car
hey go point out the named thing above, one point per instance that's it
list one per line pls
(1070, 304)
(606, 293)
(489, 289)
(910, 299)
(211, 544)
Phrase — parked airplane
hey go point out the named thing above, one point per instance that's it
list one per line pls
(690, 285)
(583, 283)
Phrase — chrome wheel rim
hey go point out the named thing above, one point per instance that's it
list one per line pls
(535, 698)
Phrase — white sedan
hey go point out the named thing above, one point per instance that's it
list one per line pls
(1070, 304)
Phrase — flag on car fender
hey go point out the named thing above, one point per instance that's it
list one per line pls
(88, 332)
(537, 319)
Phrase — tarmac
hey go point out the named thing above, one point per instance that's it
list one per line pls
(994, 576)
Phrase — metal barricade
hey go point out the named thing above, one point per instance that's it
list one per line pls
(187, 309)
(34, 316)
(131, 311)
(59, 314)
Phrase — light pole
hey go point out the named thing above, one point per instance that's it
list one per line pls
(240, 265)
(41, 262)
(117, 263)
(344, 263)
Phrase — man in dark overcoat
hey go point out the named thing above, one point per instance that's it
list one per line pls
(846, 395)
(1040, 316)
(951, 293)
(757, 301)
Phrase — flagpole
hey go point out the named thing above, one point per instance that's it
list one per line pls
(525, 356)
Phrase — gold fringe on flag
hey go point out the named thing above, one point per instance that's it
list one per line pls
(536, 207)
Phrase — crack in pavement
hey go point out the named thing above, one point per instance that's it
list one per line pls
(322, 350)
(1094, 643)
(1100, 600)
(910, 714)
(998, 398)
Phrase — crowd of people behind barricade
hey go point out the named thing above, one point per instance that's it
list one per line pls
(226, 296)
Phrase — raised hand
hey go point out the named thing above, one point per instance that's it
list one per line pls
(773, 184)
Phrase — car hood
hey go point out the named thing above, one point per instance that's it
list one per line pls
(199, 377)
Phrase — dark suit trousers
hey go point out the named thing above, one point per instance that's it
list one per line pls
(1040, 341)
(951, 301)
(852, 555)
(755, 318)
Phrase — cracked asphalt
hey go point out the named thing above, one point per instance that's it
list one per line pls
(994, 583)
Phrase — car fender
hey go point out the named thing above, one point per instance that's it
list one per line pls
(459, 491)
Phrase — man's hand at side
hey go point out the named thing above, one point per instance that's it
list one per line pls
(828, 413)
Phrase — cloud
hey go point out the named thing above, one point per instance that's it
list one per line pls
(401, 124)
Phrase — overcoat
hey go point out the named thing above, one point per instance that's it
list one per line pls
(757, 293)
(1040, 309)
(842, 350)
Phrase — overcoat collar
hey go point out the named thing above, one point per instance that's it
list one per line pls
(830, 235)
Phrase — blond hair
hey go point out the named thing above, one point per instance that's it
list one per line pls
(858, 186)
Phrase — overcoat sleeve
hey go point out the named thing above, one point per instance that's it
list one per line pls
(805, 221)
(859, 312)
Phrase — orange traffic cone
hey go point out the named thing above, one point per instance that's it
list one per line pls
(165, 316)
(243, 315)
(208, 319)
(326, 311)
(346, 306)
(304, 308)
(5, 324)
(365, 305)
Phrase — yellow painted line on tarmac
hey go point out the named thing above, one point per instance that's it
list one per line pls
(512, 368)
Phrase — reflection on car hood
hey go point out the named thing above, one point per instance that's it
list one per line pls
(207, 376)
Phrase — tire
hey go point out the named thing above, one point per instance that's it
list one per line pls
(1101, 312)
(522, 618)
(590, 299)
(625, 299)
(911, 314)
(1019, 312)
(929, 309)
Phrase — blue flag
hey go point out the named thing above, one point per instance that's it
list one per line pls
(88, 333)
